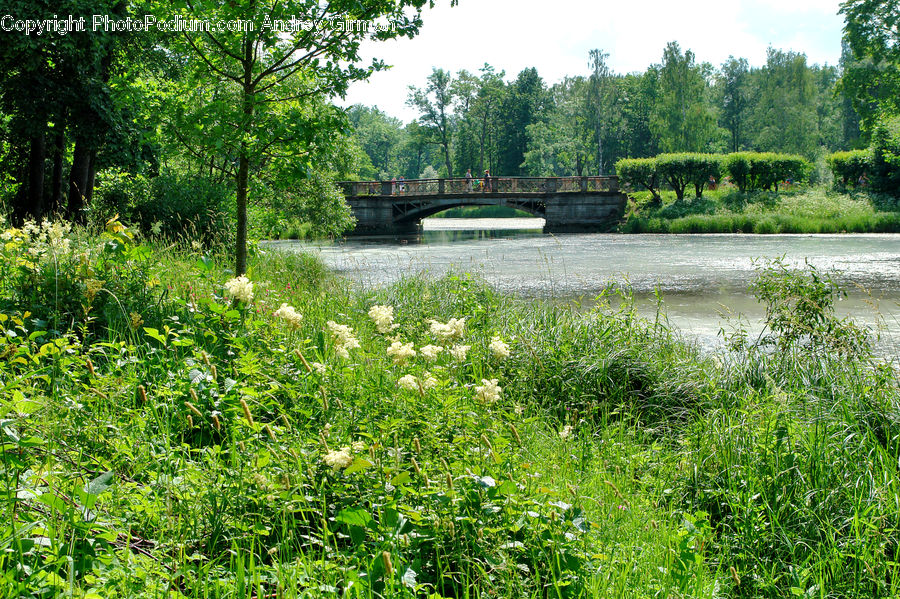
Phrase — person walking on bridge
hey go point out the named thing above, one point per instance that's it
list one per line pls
(487, 181)
(468, 179)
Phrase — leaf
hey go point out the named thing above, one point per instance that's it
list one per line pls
(355, 516)
(357, 465)
(401, 478)
(100, 484)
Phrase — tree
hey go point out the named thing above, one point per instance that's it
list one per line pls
(873, 79)
(264, 74)
(603, 101)
(522, 105)
(683, 117)
(435, 103)
(733, 80)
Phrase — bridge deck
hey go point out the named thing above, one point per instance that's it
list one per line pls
(466, 188)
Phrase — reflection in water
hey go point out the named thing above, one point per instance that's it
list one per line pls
(700, 276)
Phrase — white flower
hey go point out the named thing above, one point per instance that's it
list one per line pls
(338, 459)
(566, 432)
(344, 339)
(289, 314)
(498, 348)
(459, 352)
(430, 352)
(383, 317)
(401, 352)
(489, 391)
(240, 288)
(196, 245)
(358, 446)
(429, 382)
(318, 367)
(408, 382)
(453, 329)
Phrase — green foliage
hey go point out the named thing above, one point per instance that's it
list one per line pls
(682, 170)
(764, 170)
(169, 205)
(850, 169)
(886, 156)
(640, 172)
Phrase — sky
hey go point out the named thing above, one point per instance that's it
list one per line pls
(556, 36)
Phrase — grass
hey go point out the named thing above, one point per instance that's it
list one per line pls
(181, 443)
(797, 210)
(483, 212)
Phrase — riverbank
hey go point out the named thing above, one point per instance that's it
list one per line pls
(170, 432)
(795, 210)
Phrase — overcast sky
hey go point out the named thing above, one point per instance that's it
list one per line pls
(556, 35)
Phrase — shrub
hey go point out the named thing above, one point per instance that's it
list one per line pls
(849, 168)
(640, 172)
(764, 170)
(886, 156)
(684, 169)
(167, 205)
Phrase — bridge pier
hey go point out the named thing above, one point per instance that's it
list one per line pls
(374, 216)
(584, 212)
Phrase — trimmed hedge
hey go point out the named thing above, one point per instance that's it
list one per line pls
(640, 172)
(764, 170)
(749, 171)
(850, 168)
(683, 169)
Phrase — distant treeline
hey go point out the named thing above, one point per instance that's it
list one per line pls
(584, 124)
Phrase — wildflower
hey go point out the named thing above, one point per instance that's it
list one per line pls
(326, 430)
(318, 367)
(401, 352)
(344, 339)
(196, 245)
(430, 352)
(489, 391)
(566, 432)
(338, 460)
(428, 381)
(458, 352)
(92, 288)
(383, 317)
(240, 288)
(408, 382)
(290, 315)
(357, 446)
(453, 329)
(499, 348)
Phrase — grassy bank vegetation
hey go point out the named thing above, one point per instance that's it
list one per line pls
(168, 431)
(483, 212)
(794, 210)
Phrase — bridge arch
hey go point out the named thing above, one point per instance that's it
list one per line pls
(404, 214)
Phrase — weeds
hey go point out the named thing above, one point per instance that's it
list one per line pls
(291, 436)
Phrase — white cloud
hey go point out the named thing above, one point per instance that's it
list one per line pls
(515, 34)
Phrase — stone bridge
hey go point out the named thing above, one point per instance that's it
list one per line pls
(567, 204)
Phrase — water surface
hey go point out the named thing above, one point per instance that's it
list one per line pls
(701, 278)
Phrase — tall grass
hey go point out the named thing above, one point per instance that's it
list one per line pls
(199, 453)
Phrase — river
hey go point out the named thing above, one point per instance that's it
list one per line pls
(704, 279)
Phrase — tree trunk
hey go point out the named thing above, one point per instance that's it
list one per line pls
(59, 153)
(78, 180)
(34, 205)
(240, 260)
(92, 175)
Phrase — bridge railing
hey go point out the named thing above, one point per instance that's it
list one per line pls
(503, 185)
